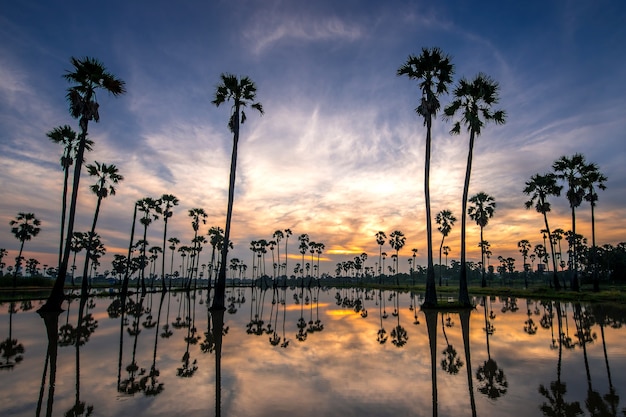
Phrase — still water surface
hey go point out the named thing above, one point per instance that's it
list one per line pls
(312, 352)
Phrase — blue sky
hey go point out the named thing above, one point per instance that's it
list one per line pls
(339, 153)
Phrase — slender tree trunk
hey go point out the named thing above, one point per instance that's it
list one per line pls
(128, 259)
(163, 287)
(430, 298)
(84, 285)
(574, 273)
(594, 255)
(220, 285)
(465, 328)
(555, 278)
(66, 174)
(483, 281)
(463, 291)
(18, 263)
(431, 324)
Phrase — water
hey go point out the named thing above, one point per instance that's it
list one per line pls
(314, 353)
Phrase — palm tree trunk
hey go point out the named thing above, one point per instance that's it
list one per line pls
(465, 328)
(431, 324)
(84, 286)
(128, 260)
(483, 281)
(220, 285)
(66, 174)
(555, 278)
(574, 275)
(463, 292)
(430, 298)
(164, 288)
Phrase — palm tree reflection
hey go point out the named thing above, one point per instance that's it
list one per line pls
(491, 379)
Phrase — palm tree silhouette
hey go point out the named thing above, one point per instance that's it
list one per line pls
(594, 178)
(25, 226)
(539, 188)
(287, 234)
(173, 242)
(474, 100)
(65, 135)
(491, 379)
(88, 76)
(524, 247)
(107, 176)
(450, 363)
(380, 240)
(242, 91)
(167, 202)
(572, 171)
(434, 71)
(481, 211)
(397, 241)
(148, 206)
(445, 219)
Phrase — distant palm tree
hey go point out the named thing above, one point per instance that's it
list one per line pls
(242, 91)
(594, 178)
(474, 100)
(572, 171)
(303, 247)
(278, 235)
(539, 188)
(397, 241)
(25, 226)
(434, 71)
(173, 242)
(198, 215)
(3, 253)
(148, 206)
(106, 177)
(481, 211)
(287, 234)
(216, 237)
(381, 237)
(88, 76)
(167, 202)
(524, 247)
(445, 219)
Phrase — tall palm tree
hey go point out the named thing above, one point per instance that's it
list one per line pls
(216, 237)
(106, 177)
(445, 219)
(278, 235)
(288, 233)
(524, 247)
(473, 100)
(198, 215)
(397, 241)
(572, 171)
(539, 188)
(381, 237)
(64, 135)
(434, 71)
(594, 178)
(148, 207)
(25, 226)
(88, 76)
(242, 92)
(173, 242)
(167, 202)
(483, 208)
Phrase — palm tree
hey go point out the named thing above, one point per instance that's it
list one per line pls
(197, 215)
(278, 235)
(88, 76)
(3, 253)
(25, 226)
(445, 219)
(594, 178)
(107, 176)
(572, 171)
(474, 100)
(539, 188)
(173, 242)
(481, 211)
(242, 91)
(397, 241)
(64, 135)
(148, 206)
(304, 246)
(167, 202)
(216, 237)
(434, 71)
(381, 237)
(524, 247)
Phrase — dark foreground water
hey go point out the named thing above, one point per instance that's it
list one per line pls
(299, 352)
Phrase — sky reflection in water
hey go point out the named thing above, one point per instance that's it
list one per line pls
(328, 356)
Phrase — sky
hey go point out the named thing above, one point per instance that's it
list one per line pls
(339, 152)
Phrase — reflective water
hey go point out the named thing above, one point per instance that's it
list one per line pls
(312, 353)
